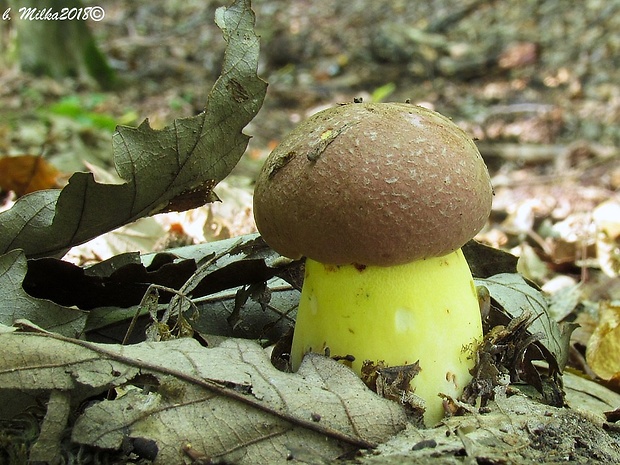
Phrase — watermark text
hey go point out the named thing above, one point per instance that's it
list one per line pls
(96, 13)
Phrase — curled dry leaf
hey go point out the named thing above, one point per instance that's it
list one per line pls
(112, 290)
(227, 403)
(123, 279)
(17, 304)
(521, 331)
(485, 261)
(27, 173)
(515, 296)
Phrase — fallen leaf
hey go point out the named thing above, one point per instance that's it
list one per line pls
(515, 296)
(17, 304)
(520, 332)
(485, 261)
(112, 290)
(515, 428)
(603, 349)
(27, 173)
(47, 448)
(162, 169)
(589, 398)
(226, 403)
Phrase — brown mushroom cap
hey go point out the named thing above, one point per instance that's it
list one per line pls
(373, 184)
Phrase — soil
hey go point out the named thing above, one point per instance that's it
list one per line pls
(514, 430)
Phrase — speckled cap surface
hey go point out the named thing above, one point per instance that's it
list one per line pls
(372, 184)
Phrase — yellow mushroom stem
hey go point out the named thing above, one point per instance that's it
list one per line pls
(424, 311)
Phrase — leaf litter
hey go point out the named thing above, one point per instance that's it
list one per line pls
(516, 336)
(228, 401)
(507, 364)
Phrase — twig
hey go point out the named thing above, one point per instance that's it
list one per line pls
(145, 304)
(219, 388)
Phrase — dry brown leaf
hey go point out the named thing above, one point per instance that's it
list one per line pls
(27, 173)
(603, 349)
(226, 402)
(606, 218)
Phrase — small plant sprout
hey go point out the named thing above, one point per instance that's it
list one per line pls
(380, 198)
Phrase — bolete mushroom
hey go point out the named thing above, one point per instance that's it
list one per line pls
(380, 198)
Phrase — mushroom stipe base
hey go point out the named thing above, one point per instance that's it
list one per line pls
(425, 311)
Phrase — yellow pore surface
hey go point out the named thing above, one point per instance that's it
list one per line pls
(424, 311)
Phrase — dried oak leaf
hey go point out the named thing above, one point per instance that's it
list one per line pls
(17, 304)
(226, 403)
(172, 168)
(603, 349)
(27, 173)
(513, 296)
(521, 331)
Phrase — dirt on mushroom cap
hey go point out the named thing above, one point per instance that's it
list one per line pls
(376, 184)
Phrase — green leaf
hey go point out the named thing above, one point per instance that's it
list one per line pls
(174, 168)
(17, 304)
(82, 111)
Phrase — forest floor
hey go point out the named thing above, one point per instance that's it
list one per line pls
(536, 83)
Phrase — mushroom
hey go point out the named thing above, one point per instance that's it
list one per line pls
(380, 198)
